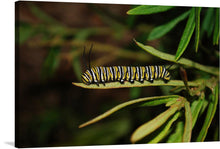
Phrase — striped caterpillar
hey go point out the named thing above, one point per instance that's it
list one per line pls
(97, 75)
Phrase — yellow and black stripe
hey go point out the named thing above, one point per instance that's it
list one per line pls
(97, 75)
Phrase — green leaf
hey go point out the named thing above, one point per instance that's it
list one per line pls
(171, 102)
(177, 89)
(147, 9)
(152, 125)
(216, 29)
(178, 133)
(123, 105)
(197, 34)
(188, 31)
(208, 23)
(196, 107)
(165, 28)
(204, 106)
(159, 101)
(113, 85)
(166, 129)
(209, 115)
(183, 61)
(188, 123)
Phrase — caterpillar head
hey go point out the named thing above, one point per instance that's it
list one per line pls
(166, 76)
(87, 78)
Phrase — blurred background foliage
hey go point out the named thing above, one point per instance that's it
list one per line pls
(49, 44)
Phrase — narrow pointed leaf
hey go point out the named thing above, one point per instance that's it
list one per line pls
(159, 101)
(210, 114)
(188, 123)
(166, 129)
(171, 102)
(165, 28)
(196, 107)
(152, 125)
(183, 61)
(123, 105)
(204, 106)
(187, 33)
(178, 133)
(112, 85)
(197, 34)
(208, 23)
(216, 29)
(146, 10)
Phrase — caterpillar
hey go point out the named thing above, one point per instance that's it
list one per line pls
(97, 75)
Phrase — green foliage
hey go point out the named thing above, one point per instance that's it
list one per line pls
(216, 29)
(213, 101)
(154, 124)
(177, 135)
(123, 105)
(196, 107)
(161, 30)
(160, 101)
(146, 10)
(182, 61)
(188, 123)
(175, 128)
(208, 23)
(197, 22)
(166, 129)
(188, 31)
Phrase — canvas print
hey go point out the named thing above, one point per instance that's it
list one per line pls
(111, 74)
